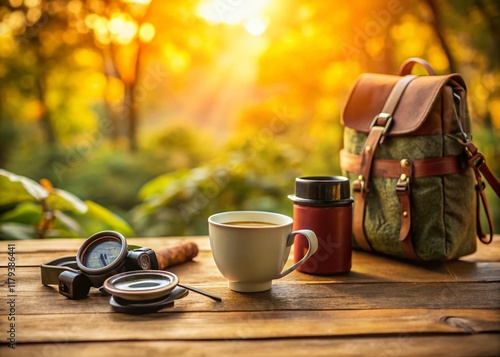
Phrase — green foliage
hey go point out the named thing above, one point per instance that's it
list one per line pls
(180, 203)
(29, 210)
(254, 170)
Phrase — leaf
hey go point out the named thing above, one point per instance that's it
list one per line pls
(16, 231)
(66, 201)
(108, 218)
(15, 188)
(159, 184)
(25, 212)
(133, 247)
(68, 222)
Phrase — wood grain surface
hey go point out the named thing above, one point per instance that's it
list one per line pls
(383, 307)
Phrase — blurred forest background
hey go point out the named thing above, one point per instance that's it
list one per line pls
(165, 112)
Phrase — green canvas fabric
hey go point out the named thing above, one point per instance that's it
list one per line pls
(443, 207)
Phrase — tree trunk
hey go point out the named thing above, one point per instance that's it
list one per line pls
(7, 133)
(132, 103)
(494, 30)
(132, 116)
(110, 71)
(437, 26)
(44, 120)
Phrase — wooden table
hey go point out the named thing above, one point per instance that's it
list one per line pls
(383, 307)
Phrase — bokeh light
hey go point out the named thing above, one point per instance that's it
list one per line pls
(146, 32)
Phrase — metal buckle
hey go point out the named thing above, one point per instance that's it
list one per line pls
(359, 185)
(403, 184)
(387, 125)
(480, 186)
(477, 160)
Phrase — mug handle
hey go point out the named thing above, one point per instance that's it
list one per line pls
(313, 247)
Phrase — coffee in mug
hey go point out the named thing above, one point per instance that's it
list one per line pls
(323, 204)
(250, 248)
(250, 224)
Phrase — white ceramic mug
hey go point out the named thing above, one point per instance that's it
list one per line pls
(251, 256)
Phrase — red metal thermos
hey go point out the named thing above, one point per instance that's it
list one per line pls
(323, 205)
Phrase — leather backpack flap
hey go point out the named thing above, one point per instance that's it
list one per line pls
(420, 111)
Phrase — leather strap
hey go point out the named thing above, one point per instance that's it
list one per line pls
(397, 92)
(380, 126)
(403, 193)
(367, 154)
(360, 186)
(50, 271)
(358, 216)
(481, 198)
(477, 162)
(490, 177)
(407, 66)
(436, 166)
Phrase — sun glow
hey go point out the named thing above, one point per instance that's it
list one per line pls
(256, 26)
(248, 13)
(122, 28)
(140, 2)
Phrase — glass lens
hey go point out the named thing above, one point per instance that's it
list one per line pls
(103, 253)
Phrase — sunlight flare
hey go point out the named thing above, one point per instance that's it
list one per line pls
(231, 12)
(122, 27)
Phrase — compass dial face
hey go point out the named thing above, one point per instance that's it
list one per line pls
(102, 253)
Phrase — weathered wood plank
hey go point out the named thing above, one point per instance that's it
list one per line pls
(251, 325)
(34, 298)
(72, 245)
(401, 345)
(485, 252)
(366, 268)
(383, 307)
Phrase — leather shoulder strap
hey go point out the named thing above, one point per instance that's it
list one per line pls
(478, 163)
(396, 94)
(380, 126)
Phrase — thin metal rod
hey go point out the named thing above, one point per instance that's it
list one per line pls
(213, 297)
